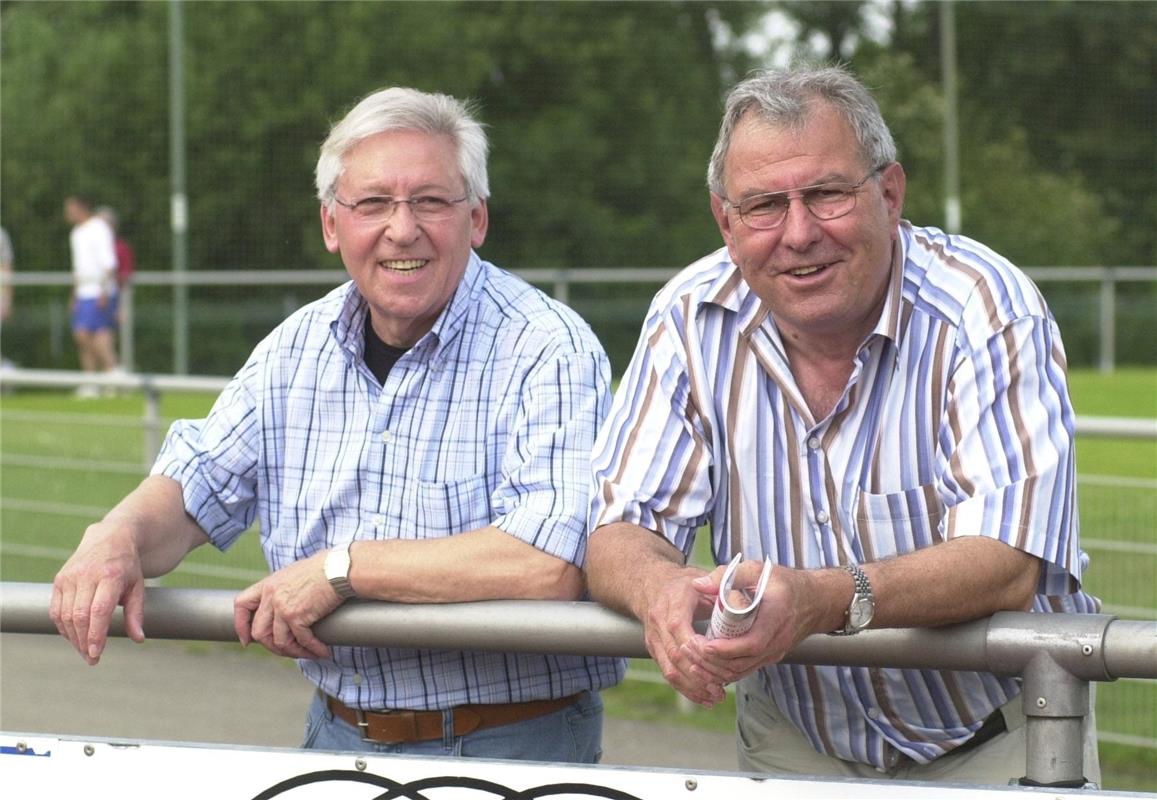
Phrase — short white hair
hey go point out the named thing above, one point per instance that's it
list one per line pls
(402, 109)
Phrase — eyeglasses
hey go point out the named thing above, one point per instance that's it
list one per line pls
(424, 207)
(824, 201)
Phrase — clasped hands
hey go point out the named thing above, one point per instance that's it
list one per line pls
(699, 668)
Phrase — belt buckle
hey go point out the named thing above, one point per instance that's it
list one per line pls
(364, 726)
(392, 718)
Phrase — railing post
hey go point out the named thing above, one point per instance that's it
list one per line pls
(562, 286)
(1055, 705)
(1108, 322)
(152, 425)
(128, 322)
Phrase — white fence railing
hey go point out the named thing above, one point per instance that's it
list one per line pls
(561, 281)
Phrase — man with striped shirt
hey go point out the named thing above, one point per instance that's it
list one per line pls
(420, 434)
(878, 409)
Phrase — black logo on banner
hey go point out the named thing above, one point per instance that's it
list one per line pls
(413, 790)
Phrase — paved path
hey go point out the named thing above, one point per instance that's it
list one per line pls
(193, 692)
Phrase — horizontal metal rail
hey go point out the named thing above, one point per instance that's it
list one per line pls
(70, 379)
(1056, 655)
(1002, 644)
(1103, 427)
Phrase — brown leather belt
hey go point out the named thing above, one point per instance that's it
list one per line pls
(398, 727)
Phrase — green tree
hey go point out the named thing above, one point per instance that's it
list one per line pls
(1076, 80)
(601, 117)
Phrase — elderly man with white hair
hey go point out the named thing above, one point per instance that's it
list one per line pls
(420, 434)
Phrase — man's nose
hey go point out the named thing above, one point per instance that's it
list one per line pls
(801, 229)
(402, 226)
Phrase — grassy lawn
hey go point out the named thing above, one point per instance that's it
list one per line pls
(46, 508)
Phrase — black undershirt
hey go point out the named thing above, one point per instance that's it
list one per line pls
(380, 357)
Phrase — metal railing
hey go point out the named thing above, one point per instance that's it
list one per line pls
(1056, 655)
(560, 280)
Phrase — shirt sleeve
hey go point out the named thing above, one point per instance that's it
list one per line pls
(653, 458)
(542, 496)
(215, 461)
(1008, 445)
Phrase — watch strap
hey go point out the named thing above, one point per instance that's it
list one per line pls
(863, 591)
(337, 571)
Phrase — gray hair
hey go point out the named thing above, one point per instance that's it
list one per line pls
(402, 109)
(786, 98)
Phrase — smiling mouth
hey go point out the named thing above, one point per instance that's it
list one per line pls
(800, 272)
(408, 265)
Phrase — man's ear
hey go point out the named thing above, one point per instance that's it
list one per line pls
(723, 220)
(894, 182)
(329, 229)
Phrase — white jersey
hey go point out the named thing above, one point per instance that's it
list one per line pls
(94, 260)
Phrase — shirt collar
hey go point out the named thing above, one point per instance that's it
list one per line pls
(888, 325)
(348, 322)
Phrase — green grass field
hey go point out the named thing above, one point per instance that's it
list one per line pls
(51, 489)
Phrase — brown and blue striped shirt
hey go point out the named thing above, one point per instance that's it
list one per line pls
(956, 421)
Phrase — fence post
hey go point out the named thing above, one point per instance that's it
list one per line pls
(1055, 705)
(128, 321)
(1108, 337)
(562, 286)
(152, 424)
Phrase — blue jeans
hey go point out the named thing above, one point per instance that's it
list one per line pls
(571, 734)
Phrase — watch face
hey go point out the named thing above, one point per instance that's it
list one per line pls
(860, 614)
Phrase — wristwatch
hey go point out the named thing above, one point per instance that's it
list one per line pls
(863, 606)
(337, 571)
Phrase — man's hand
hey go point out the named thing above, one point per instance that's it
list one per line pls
(783, 620)
(104, 572)
(670, 637)
(278, 611)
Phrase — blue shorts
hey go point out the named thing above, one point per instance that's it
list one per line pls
(89, 316)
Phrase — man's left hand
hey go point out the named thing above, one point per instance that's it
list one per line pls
(280, 610)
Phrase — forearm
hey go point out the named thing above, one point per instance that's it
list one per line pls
(957, 581)
(960, 580)
(627, 565)
(152, 518)
(484, 564)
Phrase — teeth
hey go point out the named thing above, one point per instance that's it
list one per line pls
(805, 271)
(403, 266)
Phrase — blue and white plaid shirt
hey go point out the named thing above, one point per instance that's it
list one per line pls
(488, 420)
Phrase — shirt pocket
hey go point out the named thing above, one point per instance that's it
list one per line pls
(444, 508)
(898, 522)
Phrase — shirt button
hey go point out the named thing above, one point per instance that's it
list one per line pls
(822, 517)
(873, 713)
(814, 443)
(379, 520)
(387, 437)
(357, 679)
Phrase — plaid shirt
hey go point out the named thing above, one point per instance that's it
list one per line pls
(956, 421)
(488, 420)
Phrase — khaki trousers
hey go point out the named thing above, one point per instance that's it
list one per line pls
(768, 743)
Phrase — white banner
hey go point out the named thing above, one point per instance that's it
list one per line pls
(36, 766)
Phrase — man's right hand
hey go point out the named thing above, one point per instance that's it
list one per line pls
(669, 633)
(104, 572)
